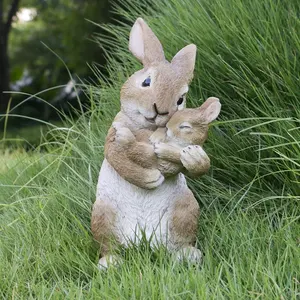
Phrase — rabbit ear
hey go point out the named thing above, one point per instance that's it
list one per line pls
(184, 61)
(144, 44)
(210, 109)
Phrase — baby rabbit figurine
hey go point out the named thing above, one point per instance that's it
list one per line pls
(186, 127)
(129, 202)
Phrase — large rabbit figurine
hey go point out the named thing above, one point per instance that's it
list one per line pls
(133, 200)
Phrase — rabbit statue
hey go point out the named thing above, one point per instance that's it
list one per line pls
(136, 198)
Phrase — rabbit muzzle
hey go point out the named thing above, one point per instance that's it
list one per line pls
(160, 118)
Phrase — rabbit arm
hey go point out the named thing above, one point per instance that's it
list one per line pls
(168, 168)
(168, 152)
(134, 161)
(192, 160)
(168, 159)
(146, 178)
(143, 154)
(139, 152)
(143, 135)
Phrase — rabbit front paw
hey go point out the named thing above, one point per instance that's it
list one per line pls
(163, 150)
(195, 159)
(154, 179)
(124, 136)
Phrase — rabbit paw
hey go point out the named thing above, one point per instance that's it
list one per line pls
(108, 261)
(158, 135)
(195, 159)
(154, 179)
(124, 136)
(189, 254)
(163, 150)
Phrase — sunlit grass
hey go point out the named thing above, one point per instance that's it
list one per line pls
(249, 226)
(10, 159)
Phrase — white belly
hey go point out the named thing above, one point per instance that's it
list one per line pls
(139, 210)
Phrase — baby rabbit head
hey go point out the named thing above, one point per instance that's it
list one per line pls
(152, 95)
(190, 126)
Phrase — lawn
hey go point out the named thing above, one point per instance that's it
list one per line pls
(249, 229)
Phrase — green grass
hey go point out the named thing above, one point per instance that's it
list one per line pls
(248, 56)
(28, 137)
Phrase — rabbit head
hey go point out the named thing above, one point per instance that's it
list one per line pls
(190, 126)
(152, 95)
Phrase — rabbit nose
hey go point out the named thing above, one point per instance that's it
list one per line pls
(159, 113)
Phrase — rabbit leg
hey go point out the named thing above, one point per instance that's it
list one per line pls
(190, 254)
(103, 227)
(183, 228)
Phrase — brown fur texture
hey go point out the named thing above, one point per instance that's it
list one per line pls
(184, 222)
(102, 225)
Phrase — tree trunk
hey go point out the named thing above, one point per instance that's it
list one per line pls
(5, 26)
(4, 72)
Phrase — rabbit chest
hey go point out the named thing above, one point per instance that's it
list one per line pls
(139, 211)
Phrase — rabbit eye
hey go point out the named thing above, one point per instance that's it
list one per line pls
(180, 101)
(146, 82)
(185, 125)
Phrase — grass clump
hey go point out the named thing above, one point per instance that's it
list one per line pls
(249, 228)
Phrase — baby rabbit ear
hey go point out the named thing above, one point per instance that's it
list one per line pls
(144, 44)
(184, 61)
(210, 109)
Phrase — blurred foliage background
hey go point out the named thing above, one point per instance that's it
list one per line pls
(48, 43)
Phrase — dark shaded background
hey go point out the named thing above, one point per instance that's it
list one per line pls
(28, 30)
